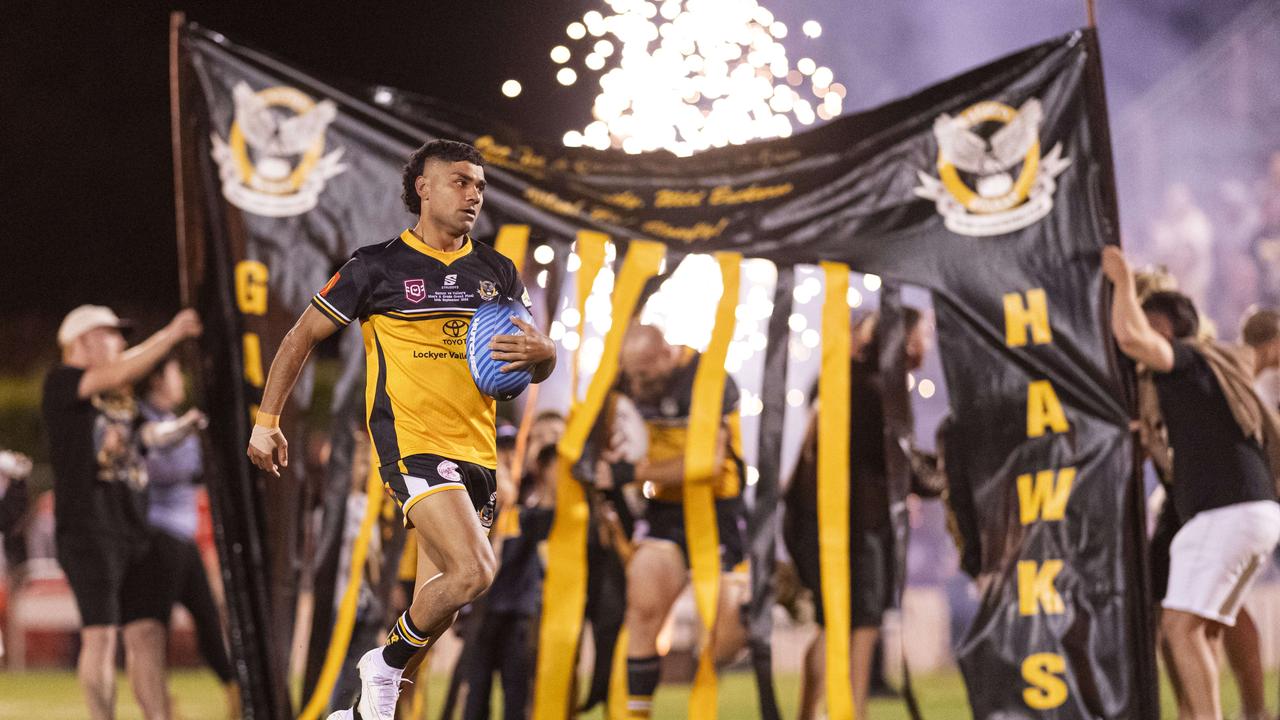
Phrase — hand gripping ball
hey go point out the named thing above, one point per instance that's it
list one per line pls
(494, 318)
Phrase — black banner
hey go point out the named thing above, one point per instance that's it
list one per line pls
(992, 189)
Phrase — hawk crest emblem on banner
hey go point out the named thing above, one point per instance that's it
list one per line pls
(273, 161)
(992, 178)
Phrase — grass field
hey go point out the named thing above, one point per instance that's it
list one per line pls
(55, 696)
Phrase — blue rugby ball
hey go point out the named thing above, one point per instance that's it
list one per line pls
(491, 319)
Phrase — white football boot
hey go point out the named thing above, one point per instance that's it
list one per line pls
(379, 687)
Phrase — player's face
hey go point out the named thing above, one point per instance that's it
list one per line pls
(647, 377)
(101, 345)
(455, 192)
(170, 387)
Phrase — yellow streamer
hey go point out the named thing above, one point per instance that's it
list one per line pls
(700, 469)
(833, 487)
(616, 704)
(513, 241)
(564, 591)
(590, 250)
(340, 639)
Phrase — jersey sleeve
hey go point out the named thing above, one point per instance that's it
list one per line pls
(515, 289)
(346, 295)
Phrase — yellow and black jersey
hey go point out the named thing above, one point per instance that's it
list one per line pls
(415, 304)
(667, 420)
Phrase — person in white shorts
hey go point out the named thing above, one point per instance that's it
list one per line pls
(1222, 488)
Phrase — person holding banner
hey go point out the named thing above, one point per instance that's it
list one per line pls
(658, 377)
(432, 429)
(1207, 430)
(872, 569)
(100, 485)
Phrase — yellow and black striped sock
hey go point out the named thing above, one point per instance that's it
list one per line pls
(642, 681)
(404, 640)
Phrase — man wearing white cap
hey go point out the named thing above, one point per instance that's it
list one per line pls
(99, 500)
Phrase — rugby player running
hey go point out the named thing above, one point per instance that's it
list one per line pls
(432, 429)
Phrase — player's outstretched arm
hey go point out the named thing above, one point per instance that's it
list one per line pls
(267, 438)
(670, 473)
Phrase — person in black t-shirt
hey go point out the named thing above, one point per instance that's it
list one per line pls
(94, 432)
(1221, 485)
(872, 569)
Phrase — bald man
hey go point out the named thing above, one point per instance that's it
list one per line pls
(658, 378)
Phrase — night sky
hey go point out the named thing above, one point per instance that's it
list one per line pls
(85, 147)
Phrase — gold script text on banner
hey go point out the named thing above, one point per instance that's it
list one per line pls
(700, 469)
(833, 485)
(565, 588)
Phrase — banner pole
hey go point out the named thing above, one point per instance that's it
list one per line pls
(176, 20)
(1091, 14)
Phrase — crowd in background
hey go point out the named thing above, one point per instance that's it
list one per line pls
(125, 434)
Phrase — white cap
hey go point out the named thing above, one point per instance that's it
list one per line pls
(86, 318)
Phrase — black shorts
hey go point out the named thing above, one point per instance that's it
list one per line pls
(113, 579)
(412, 478)
(871, 575)
(666, 522)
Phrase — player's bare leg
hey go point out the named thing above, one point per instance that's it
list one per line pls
(410, 692)
(455, 544)
(655, 577)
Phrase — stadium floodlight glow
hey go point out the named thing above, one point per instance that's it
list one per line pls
(511, 88)
(560, 54)
(811, 28)
(685, 76)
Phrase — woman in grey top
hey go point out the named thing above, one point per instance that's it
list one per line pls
(175, 464)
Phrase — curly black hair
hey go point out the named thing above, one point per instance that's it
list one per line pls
(447, 150)
(1180, 310)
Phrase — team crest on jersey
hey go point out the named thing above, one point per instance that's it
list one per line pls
(448, 470)
(273, 161)
(976, 190)
(415, 290)
(488, 290)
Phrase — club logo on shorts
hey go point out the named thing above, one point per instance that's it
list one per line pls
(448, 470)
(273, 162)
(489, 511)
(969, 152)
(415, 290)
(455, 328)
(488, 290)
